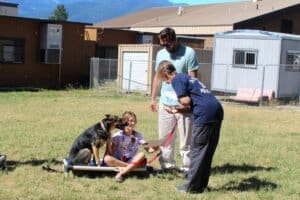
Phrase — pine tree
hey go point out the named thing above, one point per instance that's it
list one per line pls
(60, 13)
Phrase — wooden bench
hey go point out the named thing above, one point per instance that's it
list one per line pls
(252, 95)
(243, 94)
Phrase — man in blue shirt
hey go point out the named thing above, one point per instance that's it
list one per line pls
(185, 61)
(208, 116)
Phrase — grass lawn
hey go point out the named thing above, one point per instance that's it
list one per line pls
(257, 157)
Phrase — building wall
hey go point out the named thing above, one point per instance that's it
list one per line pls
(208, 41)
(227, 77)
(9, 9)
(76, 55)
(74, 65)
(272, 22)
(108, 37)
(135, 49)
(31, 72)
(289, 76)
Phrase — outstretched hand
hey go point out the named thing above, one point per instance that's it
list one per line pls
(171, 109)
(152, 149)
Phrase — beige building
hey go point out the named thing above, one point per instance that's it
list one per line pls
(206, 20)
(9, 9)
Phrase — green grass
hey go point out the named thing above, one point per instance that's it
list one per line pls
(257, 157)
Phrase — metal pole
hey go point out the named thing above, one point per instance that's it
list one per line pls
(226, 80)
(262, 86)
(91, 73)
(59, 75)
(129, 77)
(109, 65)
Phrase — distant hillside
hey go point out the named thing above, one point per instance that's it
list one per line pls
(90, 11)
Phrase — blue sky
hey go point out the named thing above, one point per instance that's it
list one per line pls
(193, 2)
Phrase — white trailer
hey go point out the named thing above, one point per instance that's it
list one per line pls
(256, 59)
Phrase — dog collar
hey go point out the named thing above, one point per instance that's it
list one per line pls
(102, 126)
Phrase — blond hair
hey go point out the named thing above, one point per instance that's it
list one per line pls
(165, 66)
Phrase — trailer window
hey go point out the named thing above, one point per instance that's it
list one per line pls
(11, 50)
(244, 58)
(293, 61)
(287, 26)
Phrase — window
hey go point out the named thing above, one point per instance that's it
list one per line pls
(287, 26)
(107, 52)
(293, 61)
(244, 58)
(11, 50)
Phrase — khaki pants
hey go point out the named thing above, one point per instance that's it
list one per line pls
(166, 123)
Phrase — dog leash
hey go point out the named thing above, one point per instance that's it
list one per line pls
(167, 142)
(170, 135)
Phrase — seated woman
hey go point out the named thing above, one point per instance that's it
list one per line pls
(123, 150)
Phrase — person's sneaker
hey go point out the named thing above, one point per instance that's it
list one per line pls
(66, 167)
(2, 161)
(181, 188)
(92, 163)
(184, 169)
(65, 161)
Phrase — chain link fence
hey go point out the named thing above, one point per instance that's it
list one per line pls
(102, 70)
(223, 79)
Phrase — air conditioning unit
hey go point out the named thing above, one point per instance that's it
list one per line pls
(50, 56)
(51, 43)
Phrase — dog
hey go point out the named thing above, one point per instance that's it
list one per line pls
(88, 143)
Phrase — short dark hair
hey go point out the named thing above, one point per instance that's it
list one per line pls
(167, 33)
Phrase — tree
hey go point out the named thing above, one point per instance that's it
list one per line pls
(60, 13)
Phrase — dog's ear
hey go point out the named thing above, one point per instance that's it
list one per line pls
(107, 116)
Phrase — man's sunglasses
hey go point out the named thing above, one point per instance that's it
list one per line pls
(167, 45)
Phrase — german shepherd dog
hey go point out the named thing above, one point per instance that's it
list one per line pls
(88, 143)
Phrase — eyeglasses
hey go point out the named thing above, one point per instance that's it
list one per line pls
(167, 45)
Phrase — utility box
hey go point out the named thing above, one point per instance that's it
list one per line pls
(136, 63)
(51, 43)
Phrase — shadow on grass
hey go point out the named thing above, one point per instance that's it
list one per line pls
(11, 165)
(230, 168)
(111, 174)
(252, 183)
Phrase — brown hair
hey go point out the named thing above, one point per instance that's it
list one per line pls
(127, 114)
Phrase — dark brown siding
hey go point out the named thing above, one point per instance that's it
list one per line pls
(31, 72)
(74, 66)
(75, 55)
(272, 22)
(109, 37)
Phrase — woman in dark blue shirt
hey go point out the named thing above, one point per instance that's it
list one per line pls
(208, 115)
